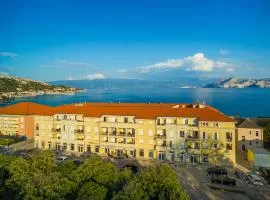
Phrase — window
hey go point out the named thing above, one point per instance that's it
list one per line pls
(215, 136)
(161, 156)
(151, 154)
(131, 153)
(80, 148)
(182, 133)
(141, 141)
(228, 146)
(243, 138)
(205, 158)
(88, 148)
(105, 119)
(170, 143)
(204, 136)
(216, 124)
(186, 121)
(196, 145)
(257, 133)
(49, 145)
(37, 126)
(65, 117)
(250, 143)
(141, 153)
(72, 147)
(97, 149)
(228, 136)
(43, 145)
(107, 150)
(249, 132)
(215, 146)
(57, 146)
(64, 146)
(126, 119)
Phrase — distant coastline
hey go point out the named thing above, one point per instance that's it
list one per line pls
(12, 88)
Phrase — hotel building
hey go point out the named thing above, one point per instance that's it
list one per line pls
(192, 133)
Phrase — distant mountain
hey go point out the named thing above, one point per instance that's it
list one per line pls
(12, 87)
(133, 83)
(234, 82)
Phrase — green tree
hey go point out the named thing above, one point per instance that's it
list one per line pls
(92, 191)
(38, 178)
(156, 182)
(102, 173)
(5, 161)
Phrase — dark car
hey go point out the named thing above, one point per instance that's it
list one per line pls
(217, 171)
(237, 174)
(225, 180)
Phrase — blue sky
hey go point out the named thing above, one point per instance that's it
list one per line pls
(57, 40)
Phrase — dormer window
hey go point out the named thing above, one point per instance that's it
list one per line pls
(125, 119)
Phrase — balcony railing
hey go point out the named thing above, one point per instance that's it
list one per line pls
(121, 133)
(103, 133)
(78, 131)
(161, 136)
(193, 137)
(162, 144)
(112, 133)
(130, 134)
(228, 139)
(56, 130)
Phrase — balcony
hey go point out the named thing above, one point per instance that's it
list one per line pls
(229, 139)
(104, 133)
(121, 133)
(192, 137)
(161, 136)
(58, 130)
(130, 134)
(112, 133)
(163, 144)
(79, 131)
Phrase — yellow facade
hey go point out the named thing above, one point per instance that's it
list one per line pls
(9, 125)
(165, 138)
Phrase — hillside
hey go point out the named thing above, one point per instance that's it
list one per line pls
(110, 83)
(13, 87)
(235, 82)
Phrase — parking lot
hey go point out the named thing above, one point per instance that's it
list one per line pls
(197, 182)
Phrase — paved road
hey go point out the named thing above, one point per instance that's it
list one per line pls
(197, 183)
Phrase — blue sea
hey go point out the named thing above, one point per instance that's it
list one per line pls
(248, 102)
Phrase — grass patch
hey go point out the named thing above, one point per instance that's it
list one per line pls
(7, 141)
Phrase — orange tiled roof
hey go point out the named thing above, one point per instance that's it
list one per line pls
(140, 110)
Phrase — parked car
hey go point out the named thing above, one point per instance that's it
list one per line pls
(225, 180)
(254, 179)
(237, 174)
(60, 159)
(217, 171)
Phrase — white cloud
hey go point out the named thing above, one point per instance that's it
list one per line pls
(95, 76)
(71, 63)
(8, 54)
(168, 64)
(224, 52)
(196, 62)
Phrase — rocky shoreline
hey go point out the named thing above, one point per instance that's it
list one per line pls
(8, 97)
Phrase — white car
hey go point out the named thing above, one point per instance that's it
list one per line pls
(60, 159)
(254, 179)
